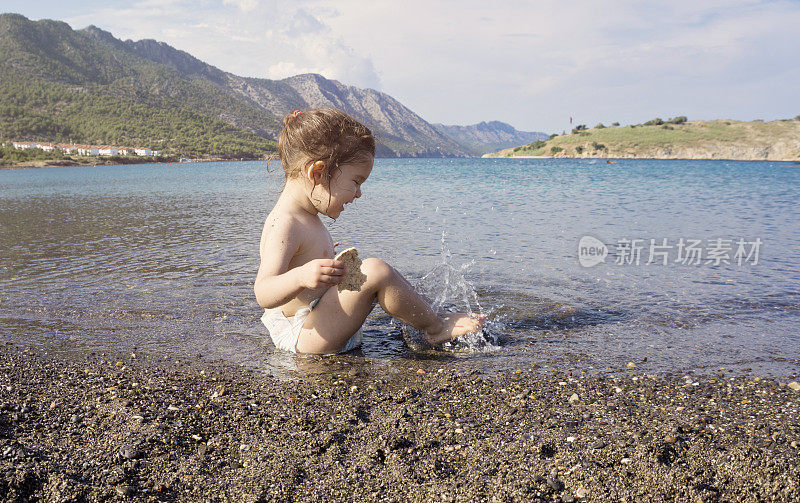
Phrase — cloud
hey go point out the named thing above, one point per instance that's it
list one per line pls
(533, 64)
(537, 64)
(244, 5)
(253, 38)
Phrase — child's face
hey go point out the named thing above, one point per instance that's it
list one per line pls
(345, 185)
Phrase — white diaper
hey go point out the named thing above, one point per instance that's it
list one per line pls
(285, 332)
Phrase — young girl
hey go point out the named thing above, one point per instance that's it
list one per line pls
(327, 156)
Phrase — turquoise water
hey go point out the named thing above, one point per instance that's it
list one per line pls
(161, 258)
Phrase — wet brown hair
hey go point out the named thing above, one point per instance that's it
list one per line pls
(322, 134)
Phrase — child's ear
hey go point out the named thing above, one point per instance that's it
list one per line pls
(315, 171)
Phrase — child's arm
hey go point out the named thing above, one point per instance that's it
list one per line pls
(275, 283)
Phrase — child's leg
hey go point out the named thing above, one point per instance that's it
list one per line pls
(338, 315)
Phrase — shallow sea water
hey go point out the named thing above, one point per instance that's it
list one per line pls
(161, 259)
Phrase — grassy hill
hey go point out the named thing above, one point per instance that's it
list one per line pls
(718, 139)
(57, 84)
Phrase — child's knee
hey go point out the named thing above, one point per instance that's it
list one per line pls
(377, 271)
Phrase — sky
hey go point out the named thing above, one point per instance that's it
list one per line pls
(533, 64)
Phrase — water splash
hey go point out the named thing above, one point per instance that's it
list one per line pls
(448, 291)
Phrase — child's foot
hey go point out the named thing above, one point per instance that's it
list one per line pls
(455, 325)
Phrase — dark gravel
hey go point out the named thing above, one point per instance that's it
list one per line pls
(91, 428)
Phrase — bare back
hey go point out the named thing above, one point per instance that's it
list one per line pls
(290, 239)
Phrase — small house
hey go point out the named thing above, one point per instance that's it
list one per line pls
(22, 145)
(68, 148)
(88, 150)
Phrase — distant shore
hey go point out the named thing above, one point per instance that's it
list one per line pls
(673, 139)
(612, 159)
(56, 163)
(103, 426)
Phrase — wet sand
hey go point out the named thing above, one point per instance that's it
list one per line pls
(137, 427)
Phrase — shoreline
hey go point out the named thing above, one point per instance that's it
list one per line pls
(39, 163)
(134, 426)
(611, 158)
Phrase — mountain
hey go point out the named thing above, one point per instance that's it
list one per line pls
(487, 137)
(61, 84)
(675, 139)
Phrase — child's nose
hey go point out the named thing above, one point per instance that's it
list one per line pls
(358, 192)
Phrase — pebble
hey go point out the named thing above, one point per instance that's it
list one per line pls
(574, 398)
(124, 490)
(570, 439)
(129, 452)
(794, 385)
(631, 365)
(669, 439)
(554, 483)
(625, 461)
(599, 444)
(567, 498)
(582, 492)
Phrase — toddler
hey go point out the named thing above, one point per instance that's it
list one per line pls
(327, 156)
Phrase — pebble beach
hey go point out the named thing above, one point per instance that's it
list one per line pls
(102, 427)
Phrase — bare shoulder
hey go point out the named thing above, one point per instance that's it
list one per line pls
(283, 228)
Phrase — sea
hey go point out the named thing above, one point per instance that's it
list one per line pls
(580, 265)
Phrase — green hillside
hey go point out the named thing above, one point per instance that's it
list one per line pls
(61, 85)
(673, 139)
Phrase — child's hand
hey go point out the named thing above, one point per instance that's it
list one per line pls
(320, 273)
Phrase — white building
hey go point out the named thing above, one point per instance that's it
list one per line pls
(107, 150)
(47, 147)
(68, 148)
(24, 144)
(88, 150)
(143, 151)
